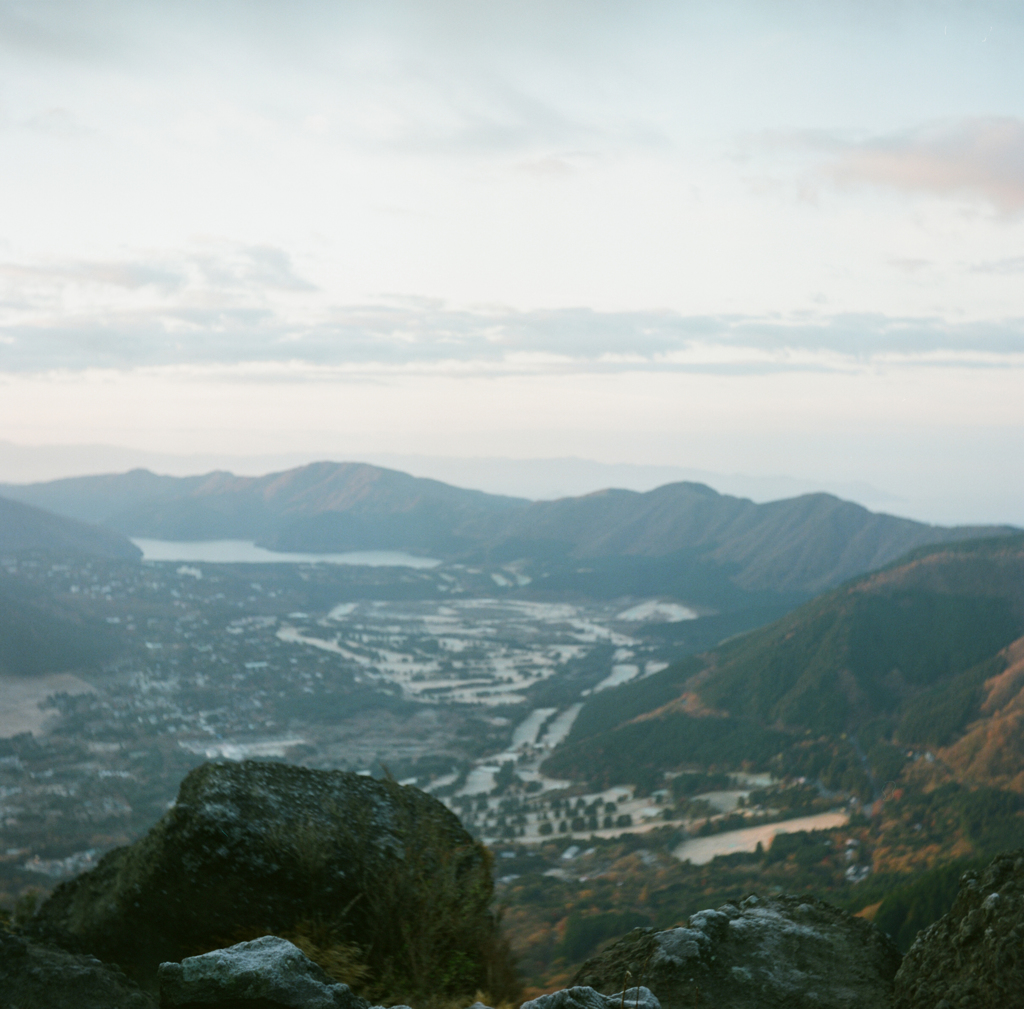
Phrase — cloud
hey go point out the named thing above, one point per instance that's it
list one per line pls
(1007, 265)
(130, 275)
(253, 267)
(224, 269)
(57, 33)
(232, 305)
(979, 157)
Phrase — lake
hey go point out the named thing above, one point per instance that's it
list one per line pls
(700, 850)
(246, 552)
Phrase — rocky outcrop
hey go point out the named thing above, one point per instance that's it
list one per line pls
(974, 955)
(380, 883)
(791, 952)
(585, 997)
(269, 971)
(33, 976)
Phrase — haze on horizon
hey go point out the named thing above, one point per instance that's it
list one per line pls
(776, 239)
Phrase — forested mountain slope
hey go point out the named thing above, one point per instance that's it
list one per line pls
(23, 527)
(924, 652)
(39, 634)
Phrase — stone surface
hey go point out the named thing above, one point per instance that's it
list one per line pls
(255, 847)
(585, 997)
(974, 955)
(33, 976)
(762, 953)
(269, 970)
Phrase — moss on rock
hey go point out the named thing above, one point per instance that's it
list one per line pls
(258, 848)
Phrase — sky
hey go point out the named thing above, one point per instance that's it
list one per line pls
(771, 238)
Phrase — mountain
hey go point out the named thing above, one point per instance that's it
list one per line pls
(319, 507)
(23, 527)
(802, 544)
(991, 751)
(39, 634)
(885, 643)
(927, 651)
(683, 539)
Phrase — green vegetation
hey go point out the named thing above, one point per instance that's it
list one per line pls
(987, 820)
(584, 933)
(832, 761)
(616, 885)
(556, 923)
(40, 635)
(379, 880)
(886, 761)
(640, 752)
(612, 707)
(912, 906)
(850, 656)
(693, 783)
(942, 712)
(902, 659)
(839, 699)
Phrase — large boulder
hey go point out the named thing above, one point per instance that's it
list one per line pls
(34, 976)
(777, 953)
(379, 882)
(269, 971)
(974, 955)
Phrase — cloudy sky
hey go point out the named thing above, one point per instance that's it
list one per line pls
(765, 237)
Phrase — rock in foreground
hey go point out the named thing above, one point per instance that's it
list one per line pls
(37, 977)
(269, 971)
(376, 876)
(778, 953)
(974, 955)
(584, 997)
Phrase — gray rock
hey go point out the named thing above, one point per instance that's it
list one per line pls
(974, 955)
(33, 976)
(777, 953)
(585, 997)
(255, 847)
(269, 971)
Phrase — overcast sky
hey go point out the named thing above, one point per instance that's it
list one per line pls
(772, 238)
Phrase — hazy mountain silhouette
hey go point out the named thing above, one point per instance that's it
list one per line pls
(683, 539)
(24, 527)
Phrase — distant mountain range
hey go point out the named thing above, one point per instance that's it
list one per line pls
(683, 539)
(928, 652)
(24, 527)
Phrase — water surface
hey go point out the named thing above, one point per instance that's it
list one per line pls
(701, 850)
(246, 552)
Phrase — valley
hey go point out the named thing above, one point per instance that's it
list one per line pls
(423, 671)
(626, 754)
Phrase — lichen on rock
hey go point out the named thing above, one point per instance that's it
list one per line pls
(973, 955)
(761, 953)
(270, 970)
(585, 997)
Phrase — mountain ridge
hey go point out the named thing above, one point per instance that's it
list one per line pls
(679, 539)
(926, 652)
(26, 527)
